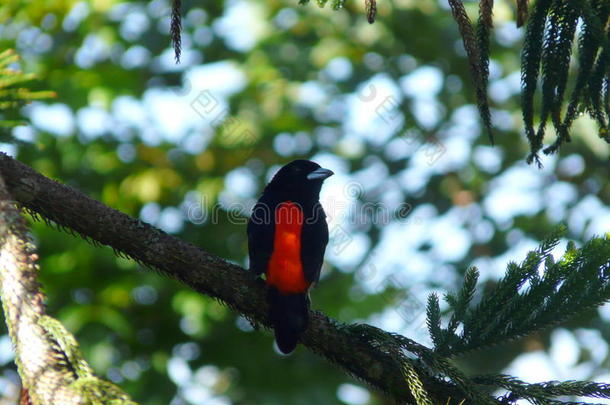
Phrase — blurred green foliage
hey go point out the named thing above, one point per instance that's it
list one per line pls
(164, 344)
(13, 94)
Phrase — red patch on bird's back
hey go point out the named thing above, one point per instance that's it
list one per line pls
(285, 270)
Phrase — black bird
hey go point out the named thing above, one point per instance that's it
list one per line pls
(287, 237)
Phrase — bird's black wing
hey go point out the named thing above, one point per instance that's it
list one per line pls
(261, 228)
(314, 238)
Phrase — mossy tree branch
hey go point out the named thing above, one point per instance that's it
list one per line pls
(49, 361)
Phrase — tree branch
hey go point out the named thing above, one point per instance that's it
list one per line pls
(49, 361)
(342, 344)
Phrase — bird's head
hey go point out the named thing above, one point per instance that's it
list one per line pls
(301, 177)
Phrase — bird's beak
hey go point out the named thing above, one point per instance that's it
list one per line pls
(320, 174)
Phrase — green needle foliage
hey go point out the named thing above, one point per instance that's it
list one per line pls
(556, 52)
(546, 392)
(415, 384)
(176, 28)
(546, 56)
(477, 49)
(521, 12)
(13, 93)
(549, 41)
(532, 295)
(530, 68)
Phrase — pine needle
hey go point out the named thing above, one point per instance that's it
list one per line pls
(371, 10)
(556, 53)
(433, 320)
(521, 12)
(530, 67)
(596, 97)
(474, 59)
(176, 28)
(591, 36)
(484, 27)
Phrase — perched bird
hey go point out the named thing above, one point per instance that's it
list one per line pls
(287, 237)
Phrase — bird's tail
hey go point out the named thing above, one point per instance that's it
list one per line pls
(289, 315)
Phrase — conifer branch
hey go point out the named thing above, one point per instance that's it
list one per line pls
(590, 40)
(176, 28)
(521, 12)
(545, 392)
(598, 103)
(484, 27)
(371, 10)
(548, 42)
(556, 54)
(471, 43)
(530, 66)
(525, 301)
(50, 364)
(477, 71)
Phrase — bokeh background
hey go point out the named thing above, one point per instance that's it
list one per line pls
(418, 196)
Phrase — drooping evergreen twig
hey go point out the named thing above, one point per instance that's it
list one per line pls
(556, 54)
(530, 67)
(521, 12)
(590, 39)
(176, 28)
(548, 42)
(598, 103)
(371, 10)
(484, 27)
(472, 45)
(546, 56)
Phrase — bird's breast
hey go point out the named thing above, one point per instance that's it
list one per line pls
(285, 270)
